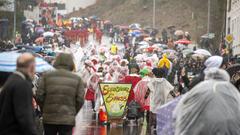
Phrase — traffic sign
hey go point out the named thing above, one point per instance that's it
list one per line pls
(229, 38)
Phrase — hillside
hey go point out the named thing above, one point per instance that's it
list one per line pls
(189, 15)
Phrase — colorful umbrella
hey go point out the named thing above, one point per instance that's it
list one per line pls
(169, 51)
(143, 43)
(198, 57)
(187, 51)
(135, 26)
(183, 41)
(48, 34)
(8, 63)
(179, 32)
(203, 52)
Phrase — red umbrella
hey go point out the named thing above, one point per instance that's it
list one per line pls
(183, 41)
(107, 22)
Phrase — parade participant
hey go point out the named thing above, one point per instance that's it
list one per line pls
(124, 66)
(133, 79)
(81, 36)
(214, 103)
(85, 34)
(99, 35)
(159, 92)
(141, 89)
(61, 96)
(16, 108)
(114, 49)
(109, 77)
(92, 87)
(87, 71)
(164, 63)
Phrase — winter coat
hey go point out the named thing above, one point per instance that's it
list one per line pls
(16, 110)
(164, 62)
(61, 93)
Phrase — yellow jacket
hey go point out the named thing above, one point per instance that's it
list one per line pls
(164, 62)
(114, 49)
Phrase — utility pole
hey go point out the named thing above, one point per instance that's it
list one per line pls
(14, 19)
(209, 16)
(154, 13)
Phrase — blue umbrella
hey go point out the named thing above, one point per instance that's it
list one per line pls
(8, 63)
(136, 33)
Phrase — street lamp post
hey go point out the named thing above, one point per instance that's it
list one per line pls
(154, 13)
(209, 16)
(14, 20)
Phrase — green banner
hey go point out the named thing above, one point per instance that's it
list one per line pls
(115, 97)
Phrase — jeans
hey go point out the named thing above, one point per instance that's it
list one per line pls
(51, 129)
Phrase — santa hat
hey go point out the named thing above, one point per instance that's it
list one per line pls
(89, 63)
(117, 58)
(149, 63)
(94, 59)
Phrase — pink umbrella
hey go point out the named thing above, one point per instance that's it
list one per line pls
(183, 41)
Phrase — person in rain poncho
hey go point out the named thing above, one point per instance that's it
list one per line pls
(124, 71)
(112, 75)
(141, 89)
(87, 71)
(159, 89)
(92, 87)
(214, 61)
(165, 122)
(164, 63)
(210, 108)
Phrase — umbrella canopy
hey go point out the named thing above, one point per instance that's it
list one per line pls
(39, 30)
(203, 52)
(48, 34)
(135, 26)
(107, 22)
(8, 63)
(181, 46)
(163, 46)
(94, 17)
(198, 57)
(187, 51)
(179, 32)
(143, 43)
(169, 51)
(183, 41)
(136, 33)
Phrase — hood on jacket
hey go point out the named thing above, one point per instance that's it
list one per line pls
(213, 62)
(64, 61)
(210, 108)
(164, 62)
